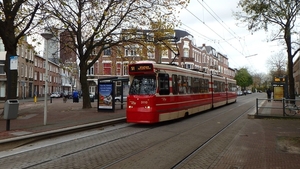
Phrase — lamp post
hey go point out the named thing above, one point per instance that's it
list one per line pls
(47, 36)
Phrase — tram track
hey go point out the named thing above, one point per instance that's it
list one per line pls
(136, 137)
(191, 155)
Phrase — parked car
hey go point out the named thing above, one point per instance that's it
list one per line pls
(70, 95)
(55, 95)
(239, 93)
(92, 97)
(249, 92)
(118, 99)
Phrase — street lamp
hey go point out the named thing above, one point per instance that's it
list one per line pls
(47, 36)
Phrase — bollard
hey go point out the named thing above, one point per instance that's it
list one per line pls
(50, 99)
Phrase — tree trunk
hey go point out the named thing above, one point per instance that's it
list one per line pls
(291, 81)
(11, 76)
(86, 102)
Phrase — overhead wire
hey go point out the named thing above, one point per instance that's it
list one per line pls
(213, 31)
(217, 42)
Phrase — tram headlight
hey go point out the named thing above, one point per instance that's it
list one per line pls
(147, 107)
(130, 107)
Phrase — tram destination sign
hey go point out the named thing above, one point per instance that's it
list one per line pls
(141, 68)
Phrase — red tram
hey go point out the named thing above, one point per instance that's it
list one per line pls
(160, 92)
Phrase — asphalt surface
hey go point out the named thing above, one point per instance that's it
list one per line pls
(267, 139)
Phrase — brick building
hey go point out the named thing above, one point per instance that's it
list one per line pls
(114, 61)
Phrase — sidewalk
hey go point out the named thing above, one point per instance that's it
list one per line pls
(59, 115)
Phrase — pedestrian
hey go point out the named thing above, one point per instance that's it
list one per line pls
(269, 92)
(65, 98)
(75, 96)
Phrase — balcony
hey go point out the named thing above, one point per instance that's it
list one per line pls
(214, 67)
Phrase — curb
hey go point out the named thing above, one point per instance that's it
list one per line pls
(25, 139)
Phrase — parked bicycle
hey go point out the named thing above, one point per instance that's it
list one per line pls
(291, 109)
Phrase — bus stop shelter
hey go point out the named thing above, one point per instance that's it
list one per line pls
(107, 92)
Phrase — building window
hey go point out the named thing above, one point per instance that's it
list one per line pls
(107, 52)
(92, 89)
(118, 71)
(151, 52)
(1, 46)
(125, 69)
(185, 52)
(91, 70)
(188, 66)
(2, 63)
(107, 68)
(22, 70)
(133, 52)
(164, 54)
(94, 52)
(35, 75)
(130, 51)
(126, 52)
(150, 37)
(26, 71)
(41, 76)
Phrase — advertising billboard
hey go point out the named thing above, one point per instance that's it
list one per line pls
(106, 93)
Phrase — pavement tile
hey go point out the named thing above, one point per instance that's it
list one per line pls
(59, 115)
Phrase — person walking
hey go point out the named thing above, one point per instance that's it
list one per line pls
(75, 96)
(269, 92)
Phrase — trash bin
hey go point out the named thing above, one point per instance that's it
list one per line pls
(11, 109)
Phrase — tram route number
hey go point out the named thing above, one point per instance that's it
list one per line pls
(141, 68)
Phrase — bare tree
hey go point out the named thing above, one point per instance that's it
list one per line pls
(277, 64)
(17, 19)
(258, 14)
(98, 25)
(257, 80)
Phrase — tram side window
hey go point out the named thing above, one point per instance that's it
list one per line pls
(216, 86)
(174, 84)
(219, 86)
(189, 85)
(181, 84)
(163, 83)
(231, 87)
(204, 86)
(222, 86)
(196, 85)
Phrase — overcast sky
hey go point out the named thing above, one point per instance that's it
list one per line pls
(221, 31)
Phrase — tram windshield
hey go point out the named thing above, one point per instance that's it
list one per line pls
(143, 85)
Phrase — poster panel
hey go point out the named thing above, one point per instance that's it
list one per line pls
(13, 62)
(106, 93)
(278, 92)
